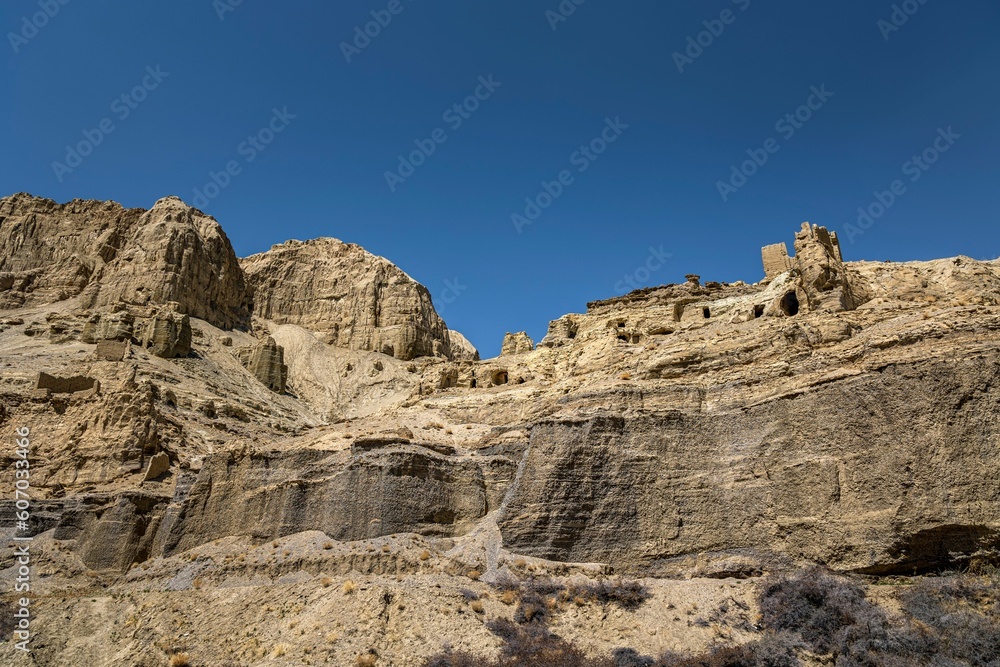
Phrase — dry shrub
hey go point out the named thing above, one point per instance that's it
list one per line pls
(814, 605)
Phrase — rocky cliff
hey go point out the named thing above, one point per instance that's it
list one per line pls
(352, 298)
(109, 255)
(836, 412)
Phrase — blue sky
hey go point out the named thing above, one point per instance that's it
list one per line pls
(637, 145)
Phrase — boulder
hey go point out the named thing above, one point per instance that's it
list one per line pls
(158, 464)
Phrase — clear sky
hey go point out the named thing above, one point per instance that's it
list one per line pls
(639, 116)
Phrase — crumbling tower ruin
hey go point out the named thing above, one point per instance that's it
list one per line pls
(822, 277)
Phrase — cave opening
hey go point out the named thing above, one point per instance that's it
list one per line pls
(758, 311)
(500, 377)
(790, 304)
(707, 312)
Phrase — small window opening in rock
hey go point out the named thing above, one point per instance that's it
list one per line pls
(623, 338)
(621, 325)
(472, 385)
(500, 377)
(790, 304)
(758, 311)
(706, 312)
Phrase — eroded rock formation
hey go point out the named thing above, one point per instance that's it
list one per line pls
(266, 360)
(836, 412)
(516, 343)
(110, 255)
(354, 299)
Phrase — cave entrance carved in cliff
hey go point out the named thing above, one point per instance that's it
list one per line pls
(790, 304)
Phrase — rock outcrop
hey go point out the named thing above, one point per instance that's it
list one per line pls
(825, 282)
(161, 329)
(461, 348)
(354, 299)
(266, 360)
(51, 252)
(158, 464)
(516, 343)
(109, 255)
(778, 479)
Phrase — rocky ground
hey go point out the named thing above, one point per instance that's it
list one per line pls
(290, 459)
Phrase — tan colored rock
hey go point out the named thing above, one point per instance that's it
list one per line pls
(66, 385)
(166, 333)
(175, 253)
(51, 252)
(161, 329)
(159, 463)
(266, 361)
(516, 343)
(824, 282)
(354, 299)
(461, 348)
(561, 332)
(112, 350)
(825, 279)
(776, 260)
(110, 255)
(118, 325)
(679, 431)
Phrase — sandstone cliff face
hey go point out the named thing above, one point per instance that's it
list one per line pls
(384, 486)
(110, 255)
(177, 254)
(354, 299)
(850, 474)
(50, 252)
